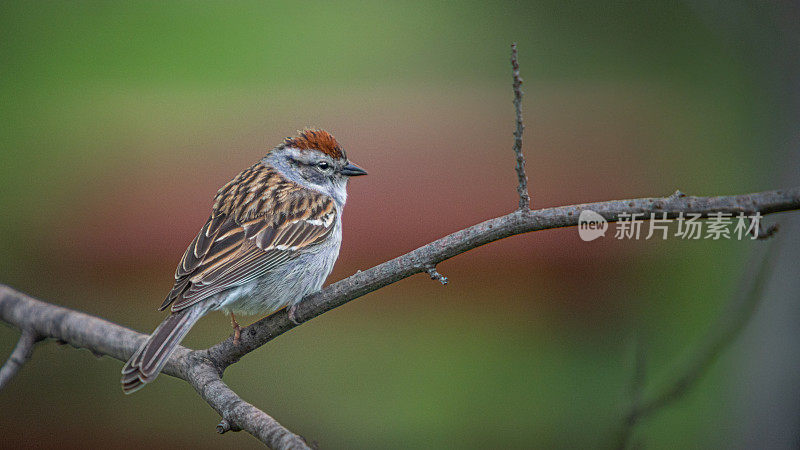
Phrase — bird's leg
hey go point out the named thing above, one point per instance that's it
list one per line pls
(291, 312)
(237, 330)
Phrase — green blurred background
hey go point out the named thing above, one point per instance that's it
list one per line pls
(119, 121)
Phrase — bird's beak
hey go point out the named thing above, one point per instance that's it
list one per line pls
(352, 170)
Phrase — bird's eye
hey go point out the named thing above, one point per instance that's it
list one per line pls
(323, 166)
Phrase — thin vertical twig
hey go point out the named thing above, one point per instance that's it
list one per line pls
(522, 188)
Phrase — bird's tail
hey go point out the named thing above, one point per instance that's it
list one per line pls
(145, 365)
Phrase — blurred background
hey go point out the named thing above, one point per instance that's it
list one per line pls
(119, 121)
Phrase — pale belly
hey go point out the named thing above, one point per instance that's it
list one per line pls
(282, 286)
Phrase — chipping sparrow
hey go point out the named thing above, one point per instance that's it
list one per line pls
(272, 238)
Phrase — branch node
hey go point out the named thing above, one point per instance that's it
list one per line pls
(436, 275)
(225, 425)
(678, 194)
(522, 188)
(766, 233)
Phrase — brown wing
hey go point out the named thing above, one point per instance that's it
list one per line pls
(253, 229)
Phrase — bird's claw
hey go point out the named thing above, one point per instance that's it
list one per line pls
(237, 330)
(292, 314)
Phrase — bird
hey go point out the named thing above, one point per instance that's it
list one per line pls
(272, 238)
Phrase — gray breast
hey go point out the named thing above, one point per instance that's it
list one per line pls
(287, 283)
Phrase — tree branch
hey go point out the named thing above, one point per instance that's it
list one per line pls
(518, 222)
(22, 352)
(522, 188)
(105, 338)
(236, 413)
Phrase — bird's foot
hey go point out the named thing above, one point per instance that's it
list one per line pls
(292, 314)
(237, 330)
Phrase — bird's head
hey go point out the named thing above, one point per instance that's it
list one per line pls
(315, 159)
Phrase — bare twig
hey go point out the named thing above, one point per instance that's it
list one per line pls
(436, 275)
(740, 310)
(518, 222)
(522, 188)
(236, 413)
(224, 426)
(419, 260)
(22, 352)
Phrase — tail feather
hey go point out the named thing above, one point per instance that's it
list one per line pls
(145, 365)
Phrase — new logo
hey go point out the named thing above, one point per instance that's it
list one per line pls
(591, 225)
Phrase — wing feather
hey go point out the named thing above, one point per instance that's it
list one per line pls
(242, 241)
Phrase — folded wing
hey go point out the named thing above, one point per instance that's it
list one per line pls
(236, 246)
